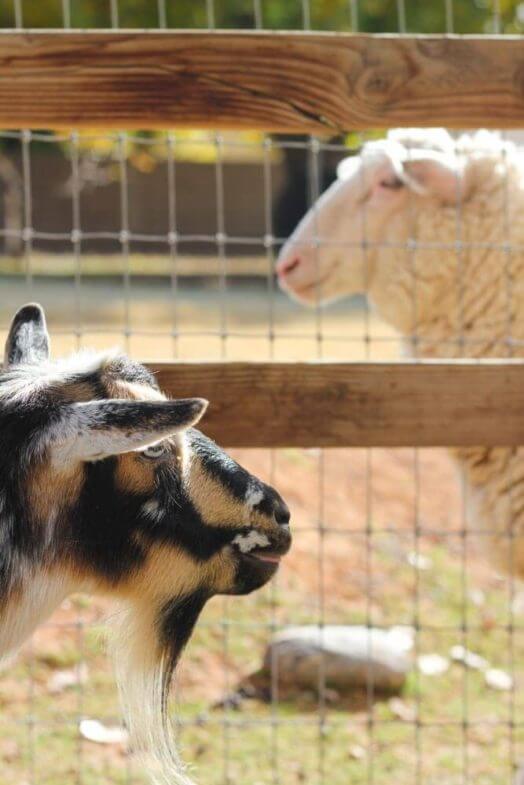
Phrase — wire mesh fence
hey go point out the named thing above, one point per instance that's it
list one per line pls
(166, 243)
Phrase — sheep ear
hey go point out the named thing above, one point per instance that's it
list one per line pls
(98, 429)
(28, 339)
(347, 167)
(433, 173)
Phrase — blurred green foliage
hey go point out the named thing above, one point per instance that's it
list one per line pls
(374, 16)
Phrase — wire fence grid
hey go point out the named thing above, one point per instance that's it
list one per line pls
(382, 537)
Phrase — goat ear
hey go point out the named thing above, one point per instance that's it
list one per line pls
(436, 174)
(97, 429)
(28, 339)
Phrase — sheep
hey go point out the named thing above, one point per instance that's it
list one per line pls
(431, 230)
(106, 488)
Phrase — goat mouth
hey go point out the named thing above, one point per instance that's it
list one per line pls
(267, 556)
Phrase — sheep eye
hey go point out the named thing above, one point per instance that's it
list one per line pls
(394, 183)
(155, 451)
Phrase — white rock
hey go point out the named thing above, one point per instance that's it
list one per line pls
(517, 606)
(498, 679)
(62, 680)
(357, 752)
(468, 658)
(345, 656)
(95, 731)
(432, 664)
(419, 561)
(477, 597)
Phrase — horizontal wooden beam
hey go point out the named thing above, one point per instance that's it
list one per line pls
(296, 82)
(428, 404)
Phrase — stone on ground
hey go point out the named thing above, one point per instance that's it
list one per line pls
(340, 657)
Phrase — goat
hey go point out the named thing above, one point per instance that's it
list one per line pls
(105, 487)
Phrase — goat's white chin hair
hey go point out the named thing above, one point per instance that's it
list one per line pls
(143, 674)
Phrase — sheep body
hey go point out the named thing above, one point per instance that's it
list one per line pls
(446, 272)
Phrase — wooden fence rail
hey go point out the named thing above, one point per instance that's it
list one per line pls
(296, 82)
(441, 404)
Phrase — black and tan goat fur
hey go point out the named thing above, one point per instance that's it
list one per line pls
(105, 487)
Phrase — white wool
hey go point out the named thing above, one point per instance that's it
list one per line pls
(418, 250)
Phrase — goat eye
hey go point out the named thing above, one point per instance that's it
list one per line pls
(155, 451)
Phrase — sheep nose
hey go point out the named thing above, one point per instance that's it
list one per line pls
(286, 265)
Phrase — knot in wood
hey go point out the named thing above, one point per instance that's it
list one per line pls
(378, 83)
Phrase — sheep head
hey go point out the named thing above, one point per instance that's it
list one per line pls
(400, 194)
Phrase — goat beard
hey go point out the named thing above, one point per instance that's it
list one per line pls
(146, 648)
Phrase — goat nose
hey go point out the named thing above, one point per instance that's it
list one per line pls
(286, 265)
(281, 513)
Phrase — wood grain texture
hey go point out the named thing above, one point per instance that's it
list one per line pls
(429, 404)
(296, 82)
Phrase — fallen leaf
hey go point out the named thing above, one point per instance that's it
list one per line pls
(432, 664)
(357, 752)
(95, 731)
(477, 597)
(419, 561)
(498, 679)
(468, 658)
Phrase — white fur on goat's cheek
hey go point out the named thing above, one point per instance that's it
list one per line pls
(254, 539)
(254, 495)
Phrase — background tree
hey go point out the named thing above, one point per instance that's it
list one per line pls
(374, 16)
